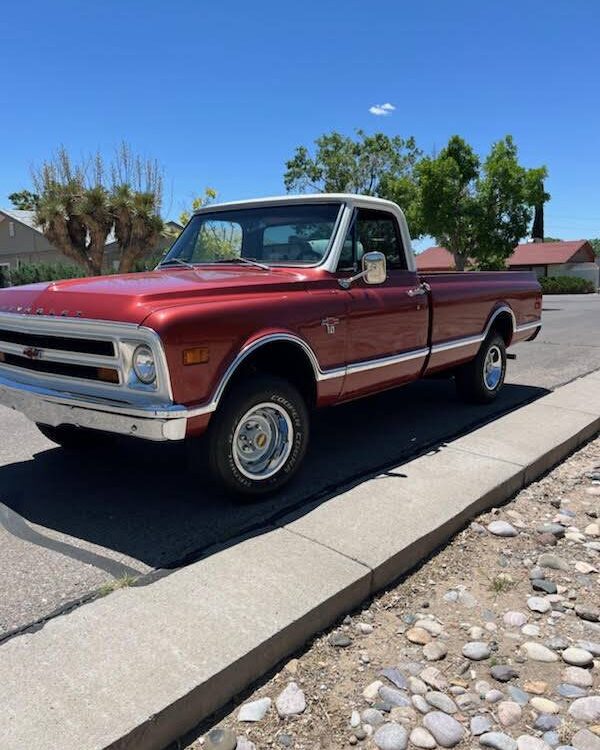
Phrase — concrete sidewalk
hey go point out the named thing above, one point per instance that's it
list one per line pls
(142, 666)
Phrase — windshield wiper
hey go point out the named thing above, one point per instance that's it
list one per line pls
(181, 262)
(248, 261)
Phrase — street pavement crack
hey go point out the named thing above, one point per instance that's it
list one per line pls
(18, 527)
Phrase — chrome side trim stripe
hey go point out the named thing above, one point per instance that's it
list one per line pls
(528, 326)
(457, 343)
(395, 359)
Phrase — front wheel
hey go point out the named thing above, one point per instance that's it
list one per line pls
(258, 439)
(480, 380)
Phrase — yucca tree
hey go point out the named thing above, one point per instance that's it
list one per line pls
(80, 203)
(137, 224)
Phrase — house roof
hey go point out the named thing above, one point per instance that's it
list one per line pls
(549, 253)
(435, 259)
(24, 217)
(527, 254)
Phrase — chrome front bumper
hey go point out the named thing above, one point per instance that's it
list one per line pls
(52, 407)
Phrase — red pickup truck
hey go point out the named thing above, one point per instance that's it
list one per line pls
(261, 311)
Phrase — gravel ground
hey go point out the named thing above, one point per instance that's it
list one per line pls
(493, 642)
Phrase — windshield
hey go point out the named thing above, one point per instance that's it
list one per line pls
(287, 235)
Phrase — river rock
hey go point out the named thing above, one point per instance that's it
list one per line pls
(570, 691)
(418, 635)
(393, 696)
(544, 705)
(371, 692)
(445, 729)
(373, 717)
(586, 709)
(435, 651)
(255, 710)
(577, 676)
(243, 743)
(395, 677)
(577, 657)
(514, 619)
(538, 604)
(476, 650)
(585, 740)
(417, 686)
(537, 687)
(220, 739)
(502, 528)
(527, 742)
(290, 701)
(591, 646)
(434, 678)
(551, 528)
(591, 614)
(541, 584)
(498, 741)
(547, 560)
(441, 702)
(509, 713)
(420, 704)
(420, 737)
(480, 724)
(538, 652)
(391, 736)
(503, 672)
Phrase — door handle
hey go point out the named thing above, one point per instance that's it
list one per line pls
(416, 292)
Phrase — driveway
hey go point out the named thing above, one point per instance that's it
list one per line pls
(69, 526)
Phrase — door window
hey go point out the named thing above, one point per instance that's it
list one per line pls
(373, 230)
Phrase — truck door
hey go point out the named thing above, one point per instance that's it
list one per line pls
(388, 322)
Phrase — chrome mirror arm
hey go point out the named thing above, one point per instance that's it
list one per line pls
(347, 283)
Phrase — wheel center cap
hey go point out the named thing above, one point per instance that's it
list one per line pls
(261, 440)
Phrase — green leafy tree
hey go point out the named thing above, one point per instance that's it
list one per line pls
(24, 200)
(80, 203)
(478, 211)
(369, 164)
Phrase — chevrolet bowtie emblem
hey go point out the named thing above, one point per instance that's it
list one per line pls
(330, 324)
(32, 353)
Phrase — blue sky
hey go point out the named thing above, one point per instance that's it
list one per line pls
(222, 93)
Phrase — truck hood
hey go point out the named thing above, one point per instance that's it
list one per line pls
(130, 298)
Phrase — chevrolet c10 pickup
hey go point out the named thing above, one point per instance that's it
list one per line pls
(260, 312)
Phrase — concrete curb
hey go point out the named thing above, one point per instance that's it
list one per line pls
(142, 666)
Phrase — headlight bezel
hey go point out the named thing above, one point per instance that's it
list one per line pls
(145, 378)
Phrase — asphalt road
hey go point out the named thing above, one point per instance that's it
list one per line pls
(69, 525)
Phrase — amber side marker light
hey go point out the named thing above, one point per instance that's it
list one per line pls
(196, 356)
(1, 356)
(108, 375)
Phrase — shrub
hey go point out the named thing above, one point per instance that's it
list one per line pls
(30, 273)
(566, 285)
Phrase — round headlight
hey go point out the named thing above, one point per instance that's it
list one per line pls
(143, 364)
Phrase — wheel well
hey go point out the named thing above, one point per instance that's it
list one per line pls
(283, 359)
(503, 324)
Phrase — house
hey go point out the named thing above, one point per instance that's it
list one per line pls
(435, 259)
(568, 258)
(22, 241)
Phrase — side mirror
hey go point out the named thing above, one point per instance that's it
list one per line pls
(374, 268)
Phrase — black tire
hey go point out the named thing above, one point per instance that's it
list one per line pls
(284, 411)
(474, 382)
(70, 437)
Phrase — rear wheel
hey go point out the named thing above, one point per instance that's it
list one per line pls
(258, 439)
(70, 437)
(480, 380)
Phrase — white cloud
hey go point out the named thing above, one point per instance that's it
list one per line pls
(382, 110)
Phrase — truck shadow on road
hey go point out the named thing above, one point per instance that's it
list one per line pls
(137, 499)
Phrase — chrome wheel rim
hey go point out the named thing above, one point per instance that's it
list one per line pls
(492, 368)
(262, 441)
